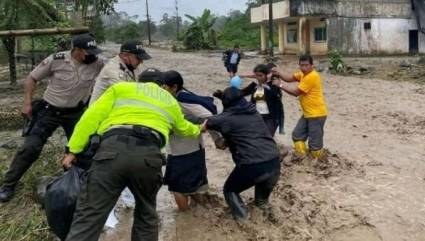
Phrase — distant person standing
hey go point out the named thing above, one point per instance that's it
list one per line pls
(310, 93)
(231, 60)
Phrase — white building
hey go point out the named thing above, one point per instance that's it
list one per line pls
(350, 26)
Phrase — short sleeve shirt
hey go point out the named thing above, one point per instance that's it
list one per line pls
(69, 82)
(312, 100)
(114, 71)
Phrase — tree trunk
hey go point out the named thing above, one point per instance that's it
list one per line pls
(9, 44)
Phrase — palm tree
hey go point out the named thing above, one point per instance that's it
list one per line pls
(22, 14)
(201, 30)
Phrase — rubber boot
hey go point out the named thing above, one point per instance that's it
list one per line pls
(236, 205)
(317, 154)
(300, 148)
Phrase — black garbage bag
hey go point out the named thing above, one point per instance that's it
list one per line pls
(41, 187)
(61, 199)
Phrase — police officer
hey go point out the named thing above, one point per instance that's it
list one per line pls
(71, 76)
(124, 67)
(134, 121)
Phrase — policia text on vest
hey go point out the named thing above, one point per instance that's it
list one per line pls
(129, 117)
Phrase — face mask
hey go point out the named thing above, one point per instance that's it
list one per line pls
(89, 58)
(130, 67)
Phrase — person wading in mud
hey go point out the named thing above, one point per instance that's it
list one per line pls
(310, 94)
(134, 121)
(253, 150)
(186, 171)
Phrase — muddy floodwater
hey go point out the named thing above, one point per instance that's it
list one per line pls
(370, 187)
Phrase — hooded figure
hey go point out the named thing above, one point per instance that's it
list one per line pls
(253, 151)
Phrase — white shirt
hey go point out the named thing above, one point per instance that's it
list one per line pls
(260, 101)
(234, 58)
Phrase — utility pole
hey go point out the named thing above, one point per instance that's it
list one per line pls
(271, 28)
(149, 23)
(177, 21)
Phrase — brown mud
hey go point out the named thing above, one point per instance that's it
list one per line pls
(371, 186)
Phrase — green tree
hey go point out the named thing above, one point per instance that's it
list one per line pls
(98, 29)
(193, 38)
(238, 27)
(98, 6)
(199, 34)
(120, 27)
(143, 27)
(168, 26)
(130, 31)
(20, 14)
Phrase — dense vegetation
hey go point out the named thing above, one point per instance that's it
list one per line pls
(193, 32)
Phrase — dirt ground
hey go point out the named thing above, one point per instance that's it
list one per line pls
(371, 187)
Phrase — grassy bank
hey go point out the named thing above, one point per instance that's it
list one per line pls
(22, 219)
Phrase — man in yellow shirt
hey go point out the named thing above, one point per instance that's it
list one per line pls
(134, 121)
(310, 93)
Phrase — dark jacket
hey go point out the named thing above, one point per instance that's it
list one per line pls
(245, 132)
(273, 99)
(228, 54)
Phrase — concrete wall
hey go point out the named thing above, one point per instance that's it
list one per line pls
(317, 48)
(292, 48)
(261, 14)
(351, 8)
(334, 8)
(421, 43)
(386, 36)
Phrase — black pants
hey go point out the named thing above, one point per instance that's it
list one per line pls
(271, 123)
(263, 176)
(232, 68)
(48, 121)
(121, 161)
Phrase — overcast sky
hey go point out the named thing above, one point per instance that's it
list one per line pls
(192, 7)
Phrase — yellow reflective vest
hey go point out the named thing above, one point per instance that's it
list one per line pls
(129, 103)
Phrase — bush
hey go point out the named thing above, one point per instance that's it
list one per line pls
(337, 65)
(194, 39)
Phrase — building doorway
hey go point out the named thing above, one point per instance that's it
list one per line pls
(413, 41)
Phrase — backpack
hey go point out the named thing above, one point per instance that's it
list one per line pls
(206, 101)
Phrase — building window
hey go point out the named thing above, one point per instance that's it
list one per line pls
(292, 36)
(320, 34)
(367, 26)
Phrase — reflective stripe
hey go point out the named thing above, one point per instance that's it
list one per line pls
(141, 103)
